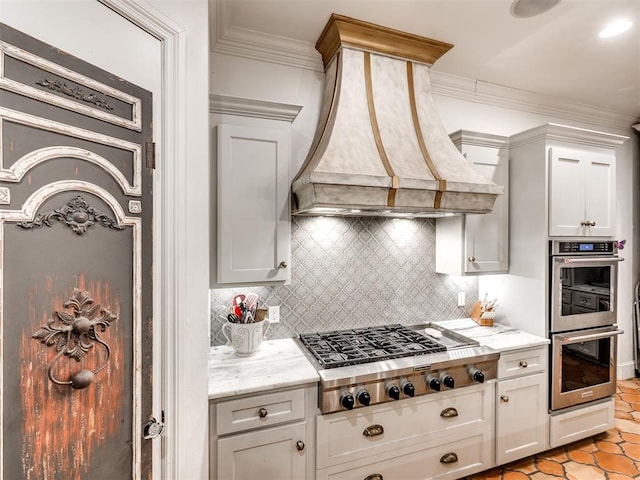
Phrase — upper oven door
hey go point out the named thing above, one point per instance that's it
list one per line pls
(583, 292)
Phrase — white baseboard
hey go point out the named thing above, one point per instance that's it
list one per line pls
(626, 370)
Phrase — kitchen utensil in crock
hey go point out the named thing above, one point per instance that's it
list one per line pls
(245, 338)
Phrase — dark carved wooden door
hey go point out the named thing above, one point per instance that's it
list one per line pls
(75, 267)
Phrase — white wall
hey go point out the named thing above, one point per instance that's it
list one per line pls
(264, 81)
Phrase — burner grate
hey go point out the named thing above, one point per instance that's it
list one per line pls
(363, 345)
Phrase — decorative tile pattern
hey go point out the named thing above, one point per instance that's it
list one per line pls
(356, 272)
(612, 455)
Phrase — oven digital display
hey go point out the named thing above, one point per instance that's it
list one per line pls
(586, 247)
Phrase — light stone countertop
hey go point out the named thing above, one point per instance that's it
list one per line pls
(277, 364)
(281, 363)
(499, 337)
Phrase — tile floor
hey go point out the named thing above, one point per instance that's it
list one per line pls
(612, 455)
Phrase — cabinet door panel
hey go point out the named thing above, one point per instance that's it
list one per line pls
(270, 454)
(600, 195)
(253, 204)
(566, 191)
(519, 435)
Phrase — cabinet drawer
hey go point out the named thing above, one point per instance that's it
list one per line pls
(581, 423)
(469, 454)
(347, 436)
(522, 362)
(260, 411)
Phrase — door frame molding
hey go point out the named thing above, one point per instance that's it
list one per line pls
(172, 224)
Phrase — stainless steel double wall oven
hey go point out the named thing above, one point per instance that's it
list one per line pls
(583, 327)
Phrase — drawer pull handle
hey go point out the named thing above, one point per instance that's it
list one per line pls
(450, 457)
(300, 445)
(449, 412)
(262, 413)
(504, 398)
(523, 364)
(374, 476)
(373, 431)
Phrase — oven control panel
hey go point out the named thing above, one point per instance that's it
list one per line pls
(399, 387)
(584, 248)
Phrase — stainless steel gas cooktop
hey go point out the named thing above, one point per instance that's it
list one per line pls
(366, 366)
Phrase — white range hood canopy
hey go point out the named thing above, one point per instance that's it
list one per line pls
(380, 147)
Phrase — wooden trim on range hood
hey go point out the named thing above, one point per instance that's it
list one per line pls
(341, 31)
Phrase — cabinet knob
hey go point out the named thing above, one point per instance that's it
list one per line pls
(592, 223)
(282, 265)
(523, 364)
(262, 413)
(504, 398)
(300, 445)
(472, 259)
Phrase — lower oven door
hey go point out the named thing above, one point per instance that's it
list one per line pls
(583, 366)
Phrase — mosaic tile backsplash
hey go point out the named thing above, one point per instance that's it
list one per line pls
(356, 272)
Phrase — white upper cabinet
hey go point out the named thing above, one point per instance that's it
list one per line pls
(253, 204)
(582, 197)
(250, 191)
(567, 180)
(478, 243)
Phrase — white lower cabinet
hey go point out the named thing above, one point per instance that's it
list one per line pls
(574, 425)
(441, 436)
(522, 419)
(451, 458)
(275, 453)
(264, 436)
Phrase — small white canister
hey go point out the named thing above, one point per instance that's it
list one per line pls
(245, 338)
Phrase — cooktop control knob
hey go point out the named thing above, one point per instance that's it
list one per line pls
(394, 392)
(363, 398)
(433, 383)
(476, 374)
(347, 401)
(447, 380)
(408, 389)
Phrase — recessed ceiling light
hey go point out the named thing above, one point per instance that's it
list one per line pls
(531, 8)
(615, 28)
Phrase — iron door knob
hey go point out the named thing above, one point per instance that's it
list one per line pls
(282, 265)
(262, 413)
(300, 445)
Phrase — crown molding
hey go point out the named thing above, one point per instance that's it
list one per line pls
(246, 107)
(230, 40)
(240, 42)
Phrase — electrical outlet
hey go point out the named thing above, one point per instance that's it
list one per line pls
(461, 299)
(274, 314)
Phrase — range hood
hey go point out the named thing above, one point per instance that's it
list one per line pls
(380, 147)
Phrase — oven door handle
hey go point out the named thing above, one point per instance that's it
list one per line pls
(593, 336)
(588, 259)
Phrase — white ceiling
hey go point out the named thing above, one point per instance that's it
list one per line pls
(557, 53)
